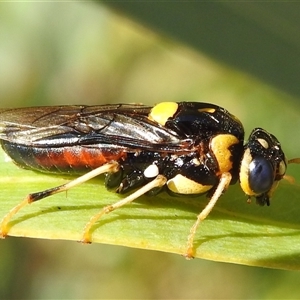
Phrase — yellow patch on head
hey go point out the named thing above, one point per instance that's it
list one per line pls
(220, 145)
(161, 112)
(244, 174)
(264, 143)
(183, 185)
(282, 168)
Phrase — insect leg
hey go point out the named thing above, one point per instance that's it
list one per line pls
(4, 228)
(159, 181)
(222, 186)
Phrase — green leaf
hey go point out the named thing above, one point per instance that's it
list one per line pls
(258, 37)
(234, 232)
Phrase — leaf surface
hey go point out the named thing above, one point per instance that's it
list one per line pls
(234, 232)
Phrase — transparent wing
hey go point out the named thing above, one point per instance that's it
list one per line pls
(114, 125)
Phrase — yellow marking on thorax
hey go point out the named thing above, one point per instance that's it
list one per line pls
(220, 145)
(208, 110)
(161, 112)
(183, 185)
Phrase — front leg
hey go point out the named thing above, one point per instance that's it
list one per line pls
(222, 186)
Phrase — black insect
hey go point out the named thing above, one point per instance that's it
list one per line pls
(184, 148)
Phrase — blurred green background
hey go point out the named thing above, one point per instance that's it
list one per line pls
(84, 53)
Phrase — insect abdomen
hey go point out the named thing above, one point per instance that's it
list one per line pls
(72, 159)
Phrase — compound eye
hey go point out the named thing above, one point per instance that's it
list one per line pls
(261, 175)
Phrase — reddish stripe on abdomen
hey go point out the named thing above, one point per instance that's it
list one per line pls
(76, 158)
(69, 159)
